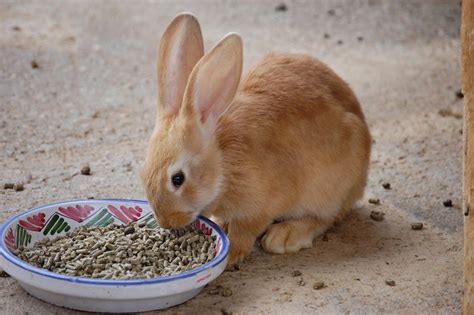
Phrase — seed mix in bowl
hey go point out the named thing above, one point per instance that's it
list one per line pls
(122, 252)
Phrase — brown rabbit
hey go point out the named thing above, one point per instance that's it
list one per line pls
(290, 143)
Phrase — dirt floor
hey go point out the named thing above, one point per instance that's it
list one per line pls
(77, 86)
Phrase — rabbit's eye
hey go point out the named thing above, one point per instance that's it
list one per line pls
(178, 179)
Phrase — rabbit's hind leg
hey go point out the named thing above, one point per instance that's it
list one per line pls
(292, 235)
(355, 194)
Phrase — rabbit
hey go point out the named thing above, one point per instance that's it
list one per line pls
(283, 153)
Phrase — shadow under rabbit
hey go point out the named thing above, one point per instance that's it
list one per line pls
(356, 239)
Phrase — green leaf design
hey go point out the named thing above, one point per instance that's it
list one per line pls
(22, 238)
(56, 224)
(104, 220)
(101, 218)
(62, 227)
(150, 221)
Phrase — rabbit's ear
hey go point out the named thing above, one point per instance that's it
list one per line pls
(214, 80)
(181, 47)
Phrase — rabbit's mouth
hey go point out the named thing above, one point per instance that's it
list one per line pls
(175, 220)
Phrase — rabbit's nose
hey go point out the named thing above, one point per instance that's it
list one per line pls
(163, 223)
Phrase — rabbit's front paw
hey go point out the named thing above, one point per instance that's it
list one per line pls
(285, 237)
(238, 253)
(242, 236)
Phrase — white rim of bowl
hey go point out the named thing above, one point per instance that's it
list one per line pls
(43, 272)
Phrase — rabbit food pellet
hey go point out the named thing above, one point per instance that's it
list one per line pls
(319, 285)
(86, 170)
(8, 186)
(122, 252)
(374, 201)
(19, 187)
(296, 273)
(377, 215)
(390, 282)
(448, 203)
(417, 226)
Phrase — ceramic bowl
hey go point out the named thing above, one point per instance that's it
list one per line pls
(99, 295)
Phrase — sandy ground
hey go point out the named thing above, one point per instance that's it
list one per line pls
(92, 100)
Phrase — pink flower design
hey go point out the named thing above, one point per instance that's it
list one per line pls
(203, 227)
(33, 223)
(126, 214)
(77, 213)
(10, 239)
